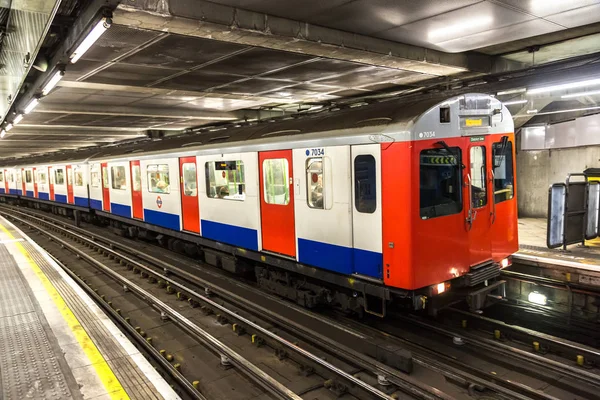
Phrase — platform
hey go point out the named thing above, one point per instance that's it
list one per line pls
(56, 343)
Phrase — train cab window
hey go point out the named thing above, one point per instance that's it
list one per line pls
(314, 177)
(276, 181)
(28, 177)
(42, 178)
(95, 175)
(158, 178)
(105, 177)
(136, 174)
(365, 184)
(503, 171)
(225, 180)
(118, 179)
(440, 186)
(59, 176)
(478, 177)
(190, 186)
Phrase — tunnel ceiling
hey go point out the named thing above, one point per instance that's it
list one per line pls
(169, 66)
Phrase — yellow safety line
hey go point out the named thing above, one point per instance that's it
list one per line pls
(109, 380)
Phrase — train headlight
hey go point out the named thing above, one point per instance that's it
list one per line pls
(537, 298)
(505, 263)
(441, 288)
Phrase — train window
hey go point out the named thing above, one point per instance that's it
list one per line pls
(314, 177)
(365, 184)
(28, 178)
(190, 185)
(137, 178)
(78, 176)
(42, 178)
(503, 172)
(158, 178)
(440, 186)
(59, 176)
(445, 114)
(225, 180)
(105, 177)
(117, 175)
(478, 174)
(19, 177)
(276, 181)
(95, 175)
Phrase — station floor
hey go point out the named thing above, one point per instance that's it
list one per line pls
(532, 242)
(55, 342)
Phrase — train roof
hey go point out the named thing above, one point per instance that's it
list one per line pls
(393, 119)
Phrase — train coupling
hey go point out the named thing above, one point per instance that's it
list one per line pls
(487, 295)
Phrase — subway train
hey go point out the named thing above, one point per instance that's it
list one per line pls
(389, 203)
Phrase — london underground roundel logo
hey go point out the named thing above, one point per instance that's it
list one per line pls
(158, 202)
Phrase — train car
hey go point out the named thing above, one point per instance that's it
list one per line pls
(385, 203)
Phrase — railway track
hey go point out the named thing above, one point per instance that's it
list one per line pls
(470, 380)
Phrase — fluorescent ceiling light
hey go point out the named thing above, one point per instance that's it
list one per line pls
(2, 134)
(464, 27)
(511, 91)
(32, 104)
(510, 103)
(53, 82)
(532, 111)
(561, 111)
(580, 94)
(17, 119)
(564, 86)
(101, 27)
(8, 127)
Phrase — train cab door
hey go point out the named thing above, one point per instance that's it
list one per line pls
(105, 188)
(23, 182)
(366, 212)
(70, 195)
(477, 201)
(35, 182)
(277, 202)
(190, 208)
(51, 183)
(136, 189)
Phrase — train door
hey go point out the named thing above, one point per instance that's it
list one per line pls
(51, 183)
(477, 204)
(23, 182)
(70, 195)
(277, 202)
(136, 189)
(190, 208)
(35, 182)
(366, 212)
(105, 188)
(6, 185)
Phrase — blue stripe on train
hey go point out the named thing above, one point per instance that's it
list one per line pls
(20, 192)
(120, 209)
(324, 255)
(81, 201)
(13, 191)
(96, 204)
(2, 190)
(163, 219)
(368, 263)
(43, 196)
(29, 193)
(61, 198)
(231, 234)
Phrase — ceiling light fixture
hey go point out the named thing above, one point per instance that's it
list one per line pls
(510, 103)
(561, 111)
(100, 27)
(58, 75)
(465, 27)
(564, 86)
(17, 119)
(32, 104)
(511, 91)
(580, 94)
(8, 127)
(2, 134)
(532, 111)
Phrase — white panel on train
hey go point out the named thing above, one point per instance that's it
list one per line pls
(80, 184)
(323, 207)
(160, 192)
(229, 202)
(28, 180)
(366, 213)
(95, 185)
(43, 182)
(119, 187)
(12, 184)
(59, 178)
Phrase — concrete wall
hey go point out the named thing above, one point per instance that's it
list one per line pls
(537, 170)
